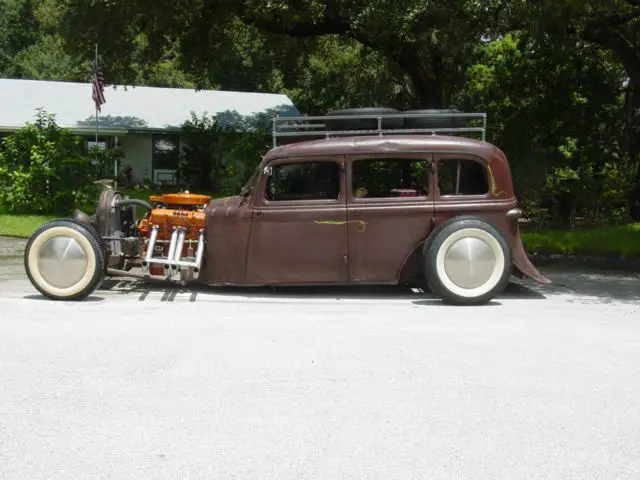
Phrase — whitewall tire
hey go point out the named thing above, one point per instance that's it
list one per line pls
(467, 261)
(64, 260)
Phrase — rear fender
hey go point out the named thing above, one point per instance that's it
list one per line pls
(522, 263)
(511, 231)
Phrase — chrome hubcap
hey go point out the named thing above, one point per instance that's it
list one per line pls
(469, 262)
(62, 262)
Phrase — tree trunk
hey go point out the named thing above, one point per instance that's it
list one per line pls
(623, 48)
(427, 81)
(428, 85)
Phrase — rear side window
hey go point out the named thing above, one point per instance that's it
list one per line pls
(460, 176)
(304, 181)
(390, 177)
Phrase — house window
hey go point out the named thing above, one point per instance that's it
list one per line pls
(102, 143)
(304, 181)
(390, 177)
(458, 176)
(165, 152)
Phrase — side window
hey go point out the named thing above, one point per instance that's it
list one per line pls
(462, 177)
(304, 181)
(165, 152)
(390, 177)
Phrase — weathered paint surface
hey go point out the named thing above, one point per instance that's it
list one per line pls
(253, 241)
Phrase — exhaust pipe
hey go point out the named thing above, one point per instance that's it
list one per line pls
(199, 252)
(174, 261)
(150, 247)
(172, 248)
(179, 247)
(175, 270)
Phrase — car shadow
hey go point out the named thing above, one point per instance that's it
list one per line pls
(419, 296)
(90, 298)
(601, 284)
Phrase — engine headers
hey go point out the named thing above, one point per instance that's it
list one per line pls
(175, 229)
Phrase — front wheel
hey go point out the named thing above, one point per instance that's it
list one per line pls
(467, 262)
(64, 260)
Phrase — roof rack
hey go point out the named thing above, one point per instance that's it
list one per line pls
(320, 126)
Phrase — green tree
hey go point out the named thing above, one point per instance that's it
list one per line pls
(18, 29)
(556, 110)
(613, 25)
(218, 157)
(31, 47)
(431, 43)
(47, 60)
(43, 169)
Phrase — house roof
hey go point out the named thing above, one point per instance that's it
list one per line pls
(132, 108)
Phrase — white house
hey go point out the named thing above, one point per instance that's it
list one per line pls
(144, 121)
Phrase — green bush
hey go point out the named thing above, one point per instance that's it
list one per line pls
(219, 158)
(43, 169)
(618, 241)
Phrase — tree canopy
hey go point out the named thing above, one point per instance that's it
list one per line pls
(558, 78)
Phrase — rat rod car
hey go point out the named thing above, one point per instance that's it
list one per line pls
(359, 203)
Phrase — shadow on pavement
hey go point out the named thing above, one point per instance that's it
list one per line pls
(435, 302)
(133, 286)
(90, 298)
(605, 285)
(522, 292)
(599, 283)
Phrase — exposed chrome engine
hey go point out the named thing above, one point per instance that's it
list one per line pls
(168, 242)
(175, 263)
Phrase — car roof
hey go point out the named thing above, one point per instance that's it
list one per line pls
(386, 143)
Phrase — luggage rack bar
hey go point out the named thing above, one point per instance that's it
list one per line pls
(309, 126)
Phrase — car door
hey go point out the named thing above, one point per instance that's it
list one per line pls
(390, 212)
(299, 230)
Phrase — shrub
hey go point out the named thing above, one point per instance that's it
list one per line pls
(219, 158)
(43, 169)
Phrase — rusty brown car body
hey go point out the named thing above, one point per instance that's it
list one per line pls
(357, 208)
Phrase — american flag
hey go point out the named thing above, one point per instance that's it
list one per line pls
(98, 87)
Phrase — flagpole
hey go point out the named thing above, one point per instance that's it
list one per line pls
(95, 72)
(98, 96)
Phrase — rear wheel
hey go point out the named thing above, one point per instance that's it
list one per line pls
(467, 262)
(64, 260)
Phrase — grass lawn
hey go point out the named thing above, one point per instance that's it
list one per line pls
(622, 242)
(21, 225)
(25, 225)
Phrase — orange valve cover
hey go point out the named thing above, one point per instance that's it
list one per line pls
(181, 199)
(166, 219)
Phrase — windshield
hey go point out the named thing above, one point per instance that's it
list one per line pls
(249, 185)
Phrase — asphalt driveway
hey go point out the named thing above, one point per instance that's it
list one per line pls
(144, 381)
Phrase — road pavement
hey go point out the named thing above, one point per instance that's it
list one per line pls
(143, 381)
